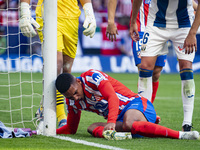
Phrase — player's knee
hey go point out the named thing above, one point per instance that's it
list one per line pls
(147, 65)
(127, 125)
(67, 68)
(184, 64)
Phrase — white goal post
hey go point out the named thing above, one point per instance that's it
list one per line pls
(50, 66)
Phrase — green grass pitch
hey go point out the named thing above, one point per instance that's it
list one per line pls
(168, 105)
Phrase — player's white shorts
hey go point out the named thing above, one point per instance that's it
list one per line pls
(155, 38)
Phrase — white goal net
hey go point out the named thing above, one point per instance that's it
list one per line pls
(21, 65)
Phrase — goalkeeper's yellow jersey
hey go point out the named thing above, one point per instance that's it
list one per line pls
(65, 9)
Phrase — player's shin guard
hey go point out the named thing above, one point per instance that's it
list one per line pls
(149, 129)
(98, 132)
(188, 92)
(145, 83)
(60, 106)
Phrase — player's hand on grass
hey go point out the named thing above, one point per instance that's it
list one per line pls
(26, 22)
(109, 126)
(90, 21)
(111, 31)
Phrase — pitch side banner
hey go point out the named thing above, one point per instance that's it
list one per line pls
(116, 64)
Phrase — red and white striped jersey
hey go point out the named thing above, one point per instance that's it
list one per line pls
(104, 95)
(142, 15)
(94, 85)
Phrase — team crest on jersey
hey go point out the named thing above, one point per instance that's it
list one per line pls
(96, 98)
(97, 77)
(143, 47)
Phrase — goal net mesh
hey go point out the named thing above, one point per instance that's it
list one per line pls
(20, 69)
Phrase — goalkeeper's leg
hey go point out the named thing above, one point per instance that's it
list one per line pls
(60, 109)
(66, 52)
(65, 62)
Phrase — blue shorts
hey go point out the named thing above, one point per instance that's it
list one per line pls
(145, 107)
(136, 53)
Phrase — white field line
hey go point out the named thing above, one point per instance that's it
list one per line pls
(87, 143)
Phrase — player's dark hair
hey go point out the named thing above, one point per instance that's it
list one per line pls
(64, 81)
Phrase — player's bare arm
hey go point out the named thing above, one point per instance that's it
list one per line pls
(111, 30)
(190, 43)
(133, 26)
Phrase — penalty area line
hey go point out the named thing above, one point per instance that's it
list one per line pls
(87, 143)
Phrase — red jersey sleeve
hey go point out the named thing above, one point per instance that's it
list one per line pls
(108, 93)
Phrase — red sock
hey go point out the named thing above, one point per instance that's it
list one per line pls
(155, 88)
(149, 129)
(64, 130)
(98, 132)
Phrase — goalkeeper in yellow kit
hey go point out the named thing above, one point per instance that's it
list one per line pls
(68, 13)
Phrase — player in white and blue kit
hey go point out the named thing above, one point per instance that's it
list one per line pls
(160, 62)
(169, 20)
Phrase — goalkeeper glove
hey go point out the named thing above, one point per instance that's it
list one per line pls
(90, 21)
(26, 21)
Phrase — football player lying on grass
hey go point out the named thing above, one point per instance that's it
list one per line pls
(127, 113)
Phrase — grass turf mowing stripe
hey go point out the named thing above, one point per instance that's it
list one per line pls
(88, 143)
